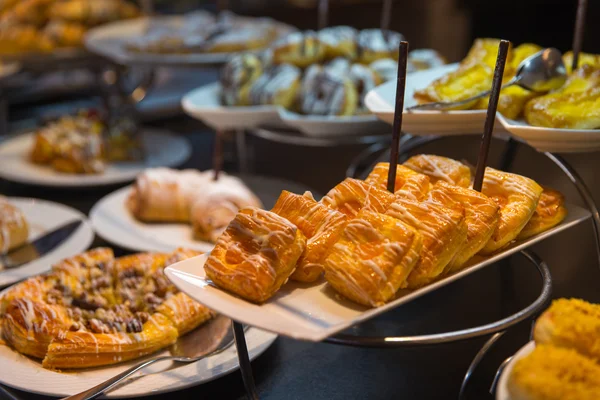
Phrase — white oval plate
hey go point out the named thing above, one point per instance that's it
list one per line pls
(44, 216)
(328, 126)
(109, 40)
(381, 102)
(163, 149)
(502, 389)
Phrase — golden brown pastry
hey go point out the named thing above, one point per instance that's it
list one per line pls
(299, 48)
(373, 258)
(14, 229)
(327, 92)
(481, 218)
(353, 195)
(15, 39)
(549, 212)
(339, 41)
(320, 225)
(441, 168)
(584, 58)
(443, 229)
(412, 184)
(237, 77)
(256, 254)
(65, 34)
(90, 12)
(278, 85)
(517, 197)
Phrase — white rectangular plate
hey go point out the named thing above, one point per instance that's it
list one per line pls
(315, 312)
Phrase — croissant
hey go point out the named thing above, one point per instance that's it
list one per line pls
(14, 229)
(352, 195)
(549, 212)
(441, 168)
(412, 184)
(321, 226)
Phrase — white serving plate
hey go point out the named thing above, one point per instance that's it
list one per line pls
(315, 312)
(328, 126)
(109, 40)
(162, 150)
(502, 389)
(44, 216)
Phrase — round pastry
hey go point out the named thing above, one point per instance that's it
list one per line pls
(244, 38)
(237, 77)
(325, 93)
(339, 66)
(277, 86)
(386, 68)
(374, 44)
(299, 48)
(364, 79)
(339, 41)
(421, 59)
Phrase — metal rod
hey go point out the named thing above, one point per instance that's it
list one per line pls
(478, 357)
(490, 117)
(578, 33)
(218, 154)
(397, 128)
(386, 15)
(244, 360)
(323, 14)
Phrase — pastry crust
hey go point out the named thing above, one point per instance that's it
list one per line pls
(256, 254)
(439, 168)
(549, 212)
(413, 185)
(373, 258)
(353, 195)
(14, 229)
(299, 48)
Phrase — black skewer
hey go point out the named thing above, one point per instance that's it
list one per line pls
(323, 14)
(490, 117)
(386, 15)
(578, 33)
(396, 129)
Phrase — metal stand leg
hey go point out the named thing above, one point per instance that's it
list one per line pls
(510, 152)
(244, 359)
(242, 154)
(486, 347)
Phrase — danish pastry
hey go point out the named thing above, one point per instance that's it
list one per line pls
(353, 195)
(592, 60)
(321, 226)
(237, 78)
(409, 183)
(364, 80)
(373, 258)
(255, 255)
(325, 93)
(92, 12)
(14, 229)
(339, 41)
(245, 38)
(517, 197)
(375, 44)
(443, 230)
(549, 212)
(421, 59)
(385, 68)
(276, 86)
(441, 168)
(299, 48)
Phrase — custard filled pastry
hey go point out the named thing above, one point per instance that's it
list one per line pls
(441, 168)
(320, 225)
(237, 77)
(325, 93)
(408, 183)
(255, 255)
(299, 48)
(443, 229)
(276, 86)
(339, 41)
(517, 197)
(353, 195)
(373, 258)
(375, 44)
(481, 218)
(14, 229)
(549, 212)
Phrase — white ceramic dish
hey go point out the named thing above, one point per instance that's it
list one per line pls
(328, 126)
(162, 150)
(502, 389)
(314, 312)
(110, 41)
(44, 216)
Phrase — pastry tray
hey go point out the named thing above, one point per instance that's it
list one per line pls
(314, 312)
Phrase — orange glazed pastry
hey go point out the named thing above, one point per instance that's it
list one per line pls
(481, 218)
(412, 184)
(443, 229)
(256, 254)
(439, 168)
(549, 212)
(373, 258)
(321, 225)
(352, 195)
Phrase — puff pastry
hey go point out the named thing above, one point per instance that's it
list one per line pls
(443, 229)
(14, 229)
(481, 218)
(321, 226)
(439, 168)
(549, 212)
(517, 197)
(94, 310)
(373, 258)
(412, 184)
(353, 195)
(255, 255)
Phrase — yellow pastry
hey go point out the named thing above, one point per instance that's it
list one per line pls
(549, 212)
(276, 86)
(373, 258)
(237, 77)
(299, 48)
(14, 229)
(592, 60)
(256, 254)
(441, 168)
(327, 92)
(339, 41)
(412, 184)
(353, 195)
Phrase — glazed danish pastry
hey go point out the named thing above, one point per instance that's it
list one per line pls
(353, 195)
(237, 76)
(300, 49)
(364, 79)
(339, 41)
(276, 86)
(549, 212)
(441, 168)
(409, 184)
(14, 229)
(255, 255)
(373, 258)
(320, 225)
(375, 44)
(323, 92)
(517, 197)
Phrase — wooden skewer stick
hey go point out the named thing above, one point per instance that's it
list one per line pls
(490, 117)
(323, 14)
(397, 127)
(578, 34)
(218, 155)
(386, 15)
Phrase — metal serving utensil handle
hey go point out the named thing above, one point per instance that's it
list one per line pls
(444, 105)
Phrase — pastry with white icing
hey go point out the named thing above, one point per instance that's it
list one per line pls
(375, 44)
(365, 79)
(324, 92)
(439, 168)
(237, 77)
(14, 229)
(339, 41)
(278, 85)
(299, 48)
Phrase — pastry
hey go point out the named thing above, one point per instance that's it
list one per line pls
(441, 168)
(443, 230)
(517, 197)
(14, 229)
(364, 80)
(339, 41)
(549, 212)
(353, 195)
(245, 38)
(276, 86)
(299, 48)
(237, 78)
(15, 39)
(386, 68)
(256, 254)
(373, 258)
(375, 44)
(93, 310)
(92, 12)
(421, 59)
(554, 373)
(65, 34)
(584, 59)
(481, 218)
(325, 93)
(409, 183)
(321, 226)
